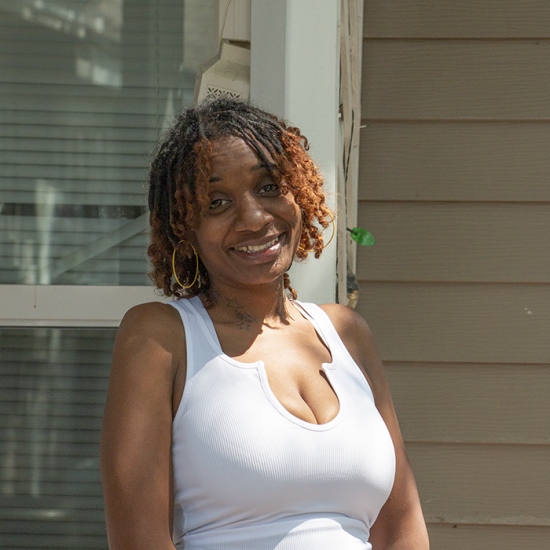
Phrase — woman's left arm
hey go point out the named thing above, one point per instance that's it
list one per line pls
(400, 524)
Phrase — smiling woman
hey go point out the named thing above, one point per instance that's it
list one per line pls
(237, 417)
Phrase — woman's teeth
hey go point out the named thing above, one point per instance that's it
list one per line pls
(256, 248)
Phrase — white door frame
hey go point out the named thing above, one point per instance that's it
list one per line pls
(295, 63)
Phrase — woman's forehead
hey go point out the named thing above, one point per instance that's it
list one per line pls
(235, 151)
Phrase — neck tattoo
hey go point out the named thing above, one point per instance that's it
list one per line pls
(244, 320)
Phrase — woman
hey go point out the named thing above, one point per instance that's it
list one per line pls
(238, 418)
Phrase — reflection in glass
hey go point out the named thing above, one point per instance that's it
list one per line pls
(53, 385)
(87, 85)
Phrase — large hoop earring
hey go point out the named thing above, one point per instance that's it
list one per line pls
(329, 241)
(174, 267)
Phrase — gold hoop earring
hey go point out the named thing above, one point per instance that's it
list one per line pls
(174, 267)
(331, 237)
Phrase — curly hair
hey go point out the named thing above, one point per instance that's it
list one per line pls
(178, 184)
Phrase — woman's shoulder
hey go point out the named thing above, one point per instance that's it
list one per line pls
(150, 313)
(152, 321)
(347, 322)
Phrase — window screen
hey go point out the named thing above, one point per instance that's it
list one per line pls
(85, 88)
(53, 385)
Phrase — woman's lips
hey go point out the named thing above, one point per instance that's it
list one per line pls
(260, 253)
(257, 248)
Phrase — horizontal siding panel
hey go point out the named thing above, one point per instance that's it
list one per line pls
(452, 19)
(483, 484)
(462, 323)
(455, 161)
(454, 79)
(470, 242)
(488, 537)
(478, 403)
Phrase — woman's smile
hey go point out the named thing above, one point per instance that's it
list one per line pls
(257, 248)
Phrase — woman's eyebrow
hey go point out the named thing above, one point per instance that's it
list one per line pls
(266, 166)
(259, 166)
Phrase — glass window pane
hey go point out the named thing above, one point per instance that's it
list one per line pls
(53, 385)
(85, 88)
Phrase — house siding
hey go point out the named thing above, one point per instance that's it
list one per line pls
(453, 183)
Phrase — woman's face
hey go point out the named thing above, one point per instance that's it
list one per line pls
(250, 232)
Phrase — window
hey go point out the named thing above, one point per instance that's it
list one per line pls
(86, 88)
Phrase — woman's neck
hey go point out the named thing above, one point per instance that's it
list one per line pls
(249, 308)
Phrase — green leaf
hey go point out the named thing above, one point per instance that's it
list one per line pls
(362, 236)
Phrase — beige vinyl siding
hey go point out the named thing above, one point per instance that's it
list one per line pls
(454, 405)
(441, 160)
(455, 186)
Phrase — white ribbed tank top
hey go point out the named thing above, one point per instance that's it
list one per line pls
(248, 475)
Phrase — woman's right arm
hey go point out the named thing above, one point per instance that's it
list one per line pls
(148, 359)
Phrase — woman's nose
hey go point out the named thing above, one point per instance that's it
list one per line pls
(252, 215)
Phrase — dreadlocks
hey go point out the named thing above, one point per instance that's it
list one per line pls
(181, 168)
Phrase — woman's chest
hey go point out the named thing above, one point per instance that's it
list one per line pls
(293, 365)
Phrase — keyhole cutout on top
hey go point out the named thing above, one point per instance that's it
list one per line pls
(293, 368)
(302, 387)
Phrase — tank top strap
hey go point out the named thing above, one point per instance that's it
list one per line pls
(199, 337)
(323, 325)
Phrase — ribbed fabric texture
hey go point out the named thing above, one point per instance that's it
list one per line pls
(248, 475)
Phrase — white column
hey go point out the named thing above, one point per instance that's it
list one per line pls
(295, 48)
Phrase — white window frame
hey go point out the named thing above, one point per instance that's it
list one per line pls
(302, 86)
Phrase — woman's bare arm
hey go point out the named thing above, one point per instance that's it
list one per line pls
(137, 426)
(400, 524)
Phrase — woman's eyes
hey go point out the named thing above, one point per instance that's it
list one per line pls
(217, 203)
(270, 187)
